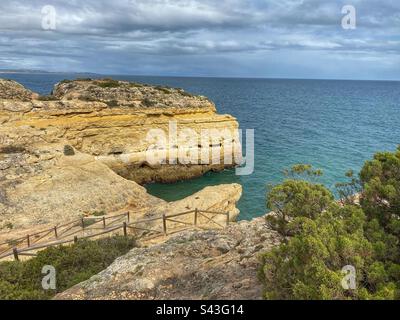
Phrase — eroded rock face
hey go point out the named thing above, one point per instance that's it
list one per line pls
(128, 94)
(215, 264)
(112, 121)
(50, 187)
(62, 157)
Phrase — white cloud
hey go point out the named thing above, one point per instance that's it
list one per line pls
(121, 33)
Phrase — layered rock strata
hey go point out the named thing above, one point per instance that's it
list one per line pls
(82, 148)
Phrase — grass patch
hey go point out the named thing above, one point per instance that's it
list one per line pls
(186, 94)
(165, 90)
(89, 222)
(108, 83)
(112, 103)
(99, 213)
(73, 264)
(148, 102)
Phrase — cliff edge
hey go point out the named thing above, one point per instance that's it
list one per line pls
(84, 149)
(213, 264)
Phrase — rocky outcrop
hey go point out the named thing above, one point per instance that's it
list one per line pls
(69, 154)
(12, 90)
(116, 122)
(214, 264)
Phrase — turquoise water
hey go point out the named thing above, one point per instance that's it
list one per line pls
(333, 125)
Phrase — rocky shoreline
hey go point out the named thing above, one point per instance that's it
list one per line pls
(84, 149)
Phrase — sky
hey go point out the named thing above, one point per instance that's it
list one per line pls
(216, 38)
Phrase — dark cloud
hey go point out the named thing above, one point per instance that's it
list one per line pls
(204, 37)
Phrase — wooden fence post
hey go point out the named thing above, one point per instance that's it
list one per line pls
(125, 231)
(15, 252)
(164, 224)
(55, 232)
(28, 239)
(104, 222)
(83, 223)
(129, 216)
(195, 216)
(75, 239)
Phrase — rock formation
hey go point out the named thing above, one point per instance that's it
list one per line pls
(56, 151)
(111, 120)
(213, 264)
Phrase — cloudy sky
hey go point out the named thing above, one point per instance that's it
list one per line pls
(232, 38)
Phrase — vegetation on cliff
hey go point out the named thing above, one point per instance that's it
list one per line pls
(73, 264)
(323, 236)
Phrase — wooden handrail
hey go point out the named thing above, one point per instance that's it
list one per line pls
(81, 222)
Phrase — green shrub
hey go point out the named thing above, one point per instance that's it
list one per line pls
(108, 83)
(325, 236)
(186, 94)
(165, 90)
(136, 85)
(296, 198)
(9, 225)
(73, 264)
(148, 102)
(89, 222)
(99, 213)
(112, 103)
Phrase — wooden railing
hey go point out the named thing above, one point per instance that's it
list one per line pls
(89, 226)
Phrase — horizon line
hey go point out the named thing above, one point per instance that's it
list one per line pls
(39, 71)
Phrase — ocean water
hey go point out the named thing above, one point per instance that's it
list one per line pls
(333, 125)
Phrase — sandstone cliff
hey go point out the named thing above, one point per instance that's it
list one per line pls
(214, 264)
(111, 120)
(81, 149)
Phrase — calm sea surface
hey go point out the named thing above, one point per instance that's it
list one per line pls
(333, 125)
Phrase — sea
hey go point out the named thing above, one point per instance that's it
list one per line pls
(334, 125)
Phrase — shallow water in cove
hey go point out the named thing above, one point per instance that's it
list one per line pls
(333, 125)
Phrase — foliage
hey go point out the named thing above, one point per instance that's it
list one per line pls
(149, 102)
(303, 171)
(112, 103)
(348, 191)
(325, 238)
(108, 83)
(380, 179)
(73, 264)
(99, 213)
(309, 265)
(296, 198)
(163, 89)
